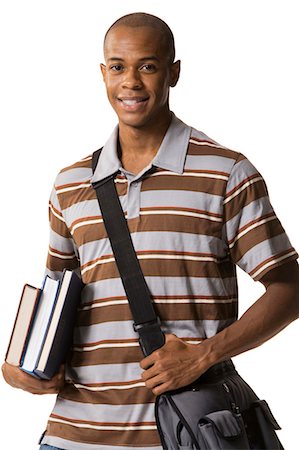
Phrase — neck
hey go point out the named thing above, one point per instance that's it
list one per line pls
(144, 141)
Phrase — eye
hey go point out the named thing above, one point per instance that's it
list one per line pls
(148, 68)
(116, 67)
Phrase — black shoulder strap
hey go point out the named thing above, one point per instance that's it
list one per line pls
(95, 159)
(146, 322)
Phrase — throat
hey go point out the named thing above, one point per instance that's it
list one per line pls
(136, 164)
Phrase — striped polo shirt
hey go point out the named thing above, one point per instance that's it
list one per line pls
(197, 211)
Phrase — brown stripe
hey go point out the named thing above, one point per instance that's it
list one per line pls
(163, 268)
(194, 149)
(246, 196)
(252, 222)
(58, 264)
(184, 183)
(83, 164)
(57, 225)
(171, 311)
(67, 199)
(279, 263)
(89, 436)
(106, 356)
(252, 179)
(256, 236)
(158, 222)
(70, 198)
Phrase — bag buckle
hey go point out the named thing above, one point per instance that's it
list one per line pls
(151, 337)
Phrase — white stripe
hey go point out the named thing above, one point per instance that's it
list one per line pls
(195, 301)
(98, 346)
(86, 222)
(92, 266)
(87, 158)
(56, 214)
(192, 174)
(58, 255)
(248, 183)
(183, 257)
(274, 261)
(144, 213)
(103, 304)
(107, 388)
(254, 225)
(104, 427)
(158, 301)
(209, 144)
(181, 213)
(153, 256)
(73, 188)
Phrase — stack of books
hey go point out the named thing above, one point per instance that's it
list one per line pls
(43, 329)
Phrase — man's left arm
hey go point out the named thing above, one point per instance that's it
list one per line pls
(177, 363)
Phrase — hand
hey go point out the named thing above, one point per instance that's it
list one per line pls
(19, 379)
(174, 365)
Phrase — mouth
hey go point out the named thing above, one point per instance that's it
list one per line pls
(132, 103)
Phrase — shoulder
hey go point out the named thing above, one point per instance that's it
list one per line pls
(78, 172)
(211, 154)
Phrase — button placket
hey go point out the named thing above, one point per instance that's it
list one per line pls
(134, 199)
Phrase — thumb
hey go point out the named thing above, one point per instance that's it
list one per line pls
(170, 337)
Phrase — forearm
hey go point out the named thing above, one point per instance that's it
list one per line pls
(278, 307)
(178, 363)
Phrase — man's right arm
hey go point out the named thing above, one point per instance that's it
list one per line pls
(17, 378)
(62, 255)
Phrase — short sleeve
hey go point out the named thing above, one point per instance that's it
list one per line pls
(255, 238)
(62, 253)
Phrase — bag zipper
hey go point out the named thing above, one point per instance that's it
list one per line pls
(235, 408)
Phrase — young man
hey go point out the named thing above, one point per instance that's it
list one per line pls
(195, 209)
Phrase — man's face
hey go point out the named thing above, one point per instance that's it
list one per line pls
(138, 75)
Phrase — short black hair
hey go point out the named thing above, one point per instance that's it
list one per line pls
(141, 19)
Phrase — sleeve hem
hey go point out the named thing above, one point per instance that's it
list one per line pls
(291, 256)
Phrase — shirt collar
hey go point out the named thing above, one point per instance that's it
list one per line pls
(170, 156)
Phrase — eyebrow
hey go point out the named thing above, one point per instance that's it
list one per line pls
(146, 58)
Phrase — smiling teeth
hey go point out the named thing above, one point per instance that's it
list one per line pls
(130, 102)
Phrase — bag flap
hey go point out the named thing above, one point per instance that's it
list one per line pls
(225, 422)
(263, 405)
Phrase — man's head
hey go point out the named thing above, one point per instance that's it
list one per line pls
(139, 55)
(136, 20)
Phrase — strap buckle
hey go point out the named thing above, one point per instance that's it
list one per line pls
(151, 337)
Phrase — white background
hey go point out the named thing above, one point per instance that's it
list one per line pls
(239, 84)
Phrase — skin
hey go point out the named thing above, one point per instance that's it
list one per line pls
(138, 77)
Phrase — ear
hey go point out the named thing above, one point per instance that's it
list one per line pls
(104, 71)
(175, 73)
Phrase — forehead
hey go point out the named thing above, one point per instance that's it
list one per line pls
(134, 42)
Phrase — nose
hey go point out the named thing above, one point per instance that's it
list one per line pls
(132, 79)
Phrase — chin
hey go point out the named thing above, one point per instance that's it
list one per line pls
(134, 122)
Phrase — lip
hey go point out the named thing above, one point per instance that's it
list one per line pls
(132, 103)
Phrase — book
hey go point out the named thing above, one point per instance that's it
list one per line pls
(43, 329)
(40, 325)
(60, 332)
(26, 310)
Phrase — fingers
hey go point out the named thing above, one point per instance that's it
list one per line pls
(17, 378)
(158, 354)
